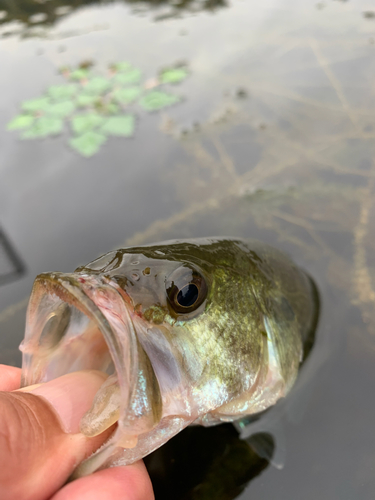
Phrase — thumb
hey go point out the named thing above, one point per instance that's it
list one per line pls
(40, 441)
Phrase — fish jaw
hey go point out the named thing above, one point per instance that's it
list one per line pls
(77, 322)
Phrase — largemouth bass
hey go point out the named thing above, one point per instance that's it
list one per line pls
(196, 331)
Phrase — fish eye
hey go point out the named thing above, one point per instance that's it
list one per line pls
(188, 295)
(186, 290)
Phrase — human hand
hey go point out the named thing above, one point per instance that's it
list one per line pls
(40, 443)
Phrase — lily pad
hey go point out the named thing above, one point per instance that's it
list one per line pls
(157, 100)
(100, 100)
(79, 74)
(60, 109)
(43, 127)
(62, 91)
(106, 108)
(35, 105)
(173, 75)
(127, 95)
(132, 76)
(20, 122)
(86, 100)
(111, 108)
(121, 66)
(88, 143)
(122, 126)
(97, 85)
(86, 122)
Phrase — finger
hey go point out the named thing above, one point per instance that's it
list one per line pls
(10, 378)
(118, 483)
(40, 441)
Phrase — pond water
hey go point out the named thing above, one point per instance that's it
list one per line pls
(271, 135)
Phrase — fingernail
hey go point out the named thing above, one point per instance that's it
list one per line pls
(71, 396)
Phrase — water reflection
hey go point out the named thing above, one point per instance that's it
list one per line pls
(205, 463)
(39, 13)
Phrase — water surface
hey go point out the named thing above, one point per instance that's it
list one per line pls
(274, 139)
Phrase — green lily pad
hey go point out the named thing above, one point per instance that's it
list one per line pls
(62, 91)
(173, 75)
(34, 105)
(132, 76)
(111, 108)
(127, 95)
(60, 109)
(97, 85)
(88, 143)
(20, 122)
(122, 126)
(43, 127)
(85, 100)
(85, 123)
(121, 66)
(106, 108)
(157, 100)
(79, 74)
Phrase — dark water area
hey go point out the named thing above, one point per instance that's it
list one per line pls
(272, 137)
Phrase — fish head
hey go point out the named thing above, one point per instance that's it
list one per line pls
(179, 327)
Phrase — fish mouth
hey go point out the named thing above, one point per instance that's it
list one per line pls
(84, 322)
(75, 323)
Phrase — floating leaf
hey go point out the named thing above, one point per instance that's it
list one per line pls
(85, 100)
(88, 143)
(119, 125)
(157, 100)
(97, 85)
(127, 95)
(111, 108)
(43, 127)
(173, 75)
(85, 123)
(131, 76)
(60, 109)
(35, 105)
(20, 121)
(62, 91)
(121, 66)
(79, 74)
(106, 108)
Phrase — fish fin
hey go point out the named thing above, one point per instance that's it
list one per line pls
(267, 446)
(266, 435)
(263, 444)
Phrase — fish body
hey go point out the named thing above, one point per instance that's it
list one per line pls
(189, 331)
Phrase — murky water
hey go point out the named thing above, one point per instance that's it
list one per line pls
(274, 139)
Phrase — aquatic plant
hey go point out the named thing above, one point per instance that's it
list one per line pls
(94, 107)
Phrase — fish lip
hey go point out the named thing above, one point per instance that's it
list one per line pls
(80, 291)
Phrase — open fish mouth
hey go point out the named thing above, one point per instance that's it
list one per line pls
(77, 322)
